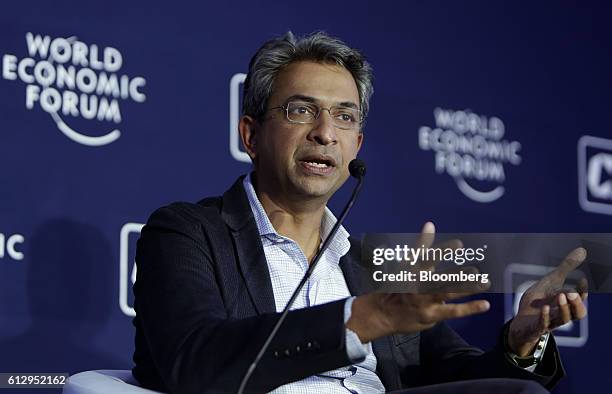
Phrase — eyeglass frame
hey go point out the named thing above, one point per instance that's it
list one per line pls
(285, 108)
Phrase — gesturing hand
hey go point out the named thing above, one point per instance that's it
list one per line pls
(377, 315)
(380, 314)
(546, 305)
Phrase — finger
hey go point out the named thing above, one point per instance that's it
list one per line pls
(578, 309)
(582, 287)
(564, 310)
(456, 295)
(545, 317)
(455, 311)
(571, 261)
(428, 233)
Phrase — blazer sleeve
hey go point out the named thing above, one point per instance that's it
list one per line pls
(185, 340)
(445, 356)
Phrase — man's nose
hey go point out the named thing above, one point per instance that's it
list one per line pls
(323, 130)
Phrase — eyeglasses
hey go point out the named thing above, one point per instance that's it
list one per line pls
(304, 112)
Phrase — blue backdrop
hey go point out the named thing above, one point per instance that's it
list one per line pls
(486, 117)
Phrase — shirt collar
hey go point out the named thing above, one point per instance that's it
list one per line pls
(340, 244)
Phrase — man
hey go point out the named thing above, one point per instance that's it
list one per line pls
(213, 276)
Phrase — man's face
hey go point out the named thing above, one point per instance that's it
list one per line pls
(307, 160)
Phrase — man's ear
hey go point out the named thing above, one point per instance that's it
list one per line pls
(359, 140)
(248, 135)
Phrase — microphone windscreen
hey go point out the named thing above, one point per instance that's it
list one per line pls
(357, 168)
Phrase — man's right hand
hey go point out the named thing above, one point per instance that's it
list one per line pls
(377, 315)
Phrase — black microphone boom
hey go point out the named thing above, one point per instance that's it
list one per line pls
(357, 169)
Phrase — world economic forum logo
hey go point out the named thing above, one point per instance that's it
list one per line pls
(595, 174)
(66, 78)
(10, 246)
(471, 149)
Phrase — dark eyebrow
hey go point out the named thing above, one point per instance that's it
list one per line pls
(308, 99)
(348, 104)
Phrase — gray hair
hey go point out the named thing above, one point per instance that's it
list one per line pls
(278, 53)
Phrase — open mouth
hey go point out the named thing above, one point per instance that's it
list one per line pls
(319, 161)
(318, 164)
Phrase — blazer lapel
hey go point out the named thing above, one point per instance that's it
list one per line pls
(237, 214)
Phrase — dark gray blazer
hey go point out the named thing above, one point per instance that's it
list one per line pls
(205, 304)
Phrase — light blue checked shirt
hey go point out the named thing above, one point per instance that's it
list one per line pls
(287, 265)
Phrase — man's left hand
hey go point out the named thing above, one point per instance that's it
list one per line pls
(546, 305)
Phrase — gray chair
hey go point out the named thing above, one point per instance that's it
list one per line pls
(104, 381)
